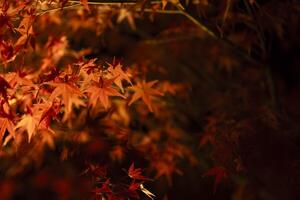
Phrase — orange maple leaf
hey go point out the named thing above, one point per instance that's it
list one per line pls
(144, 91)
(28, 123)
(70, 94)
(6, 124)
(100, 91)
(88, 67)
(38, 119)
(46, 112)
(119, 75)
(26, 30)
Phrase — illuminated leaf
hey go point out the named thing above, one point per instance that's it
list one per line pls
(101, 91)
(143, 90)
(135, 173)
(70, 95)
(29, 124)
(119, 75)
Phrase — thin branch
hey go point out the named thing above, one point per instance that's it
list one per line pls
(225, 41)
(169, 40)
(56, 9)
(106, 2)
(197, 22)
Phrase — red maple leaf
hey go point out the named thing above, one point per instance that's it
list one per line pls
(104, 189)
(136, 173)
(219, 173)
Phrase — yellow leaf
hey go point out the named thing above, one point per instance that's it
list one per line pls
(125, 14)
(28, 123)
(147, 192)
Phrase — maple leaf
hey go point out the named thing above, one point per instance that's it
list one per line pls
(19, 78)
(126, 14)
(89, 71)
(70, 94)
(144, 91)
(8, 13)
(133, 186)
(88, 67)
(100, 91)
(132, 189)
(164, 4)
(97, 170)
(105, 189)
(38, 119)
(219, 173)
(50, 75)
(6, 125)
(47, 111)
(119, 75)
(136, 173)
(26, 30)
(174, 2)
(4, 85)
(28, 123)
(7, 52)
(56, 50)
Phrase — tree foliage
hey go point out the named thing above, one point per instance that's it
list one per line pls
(129, 99)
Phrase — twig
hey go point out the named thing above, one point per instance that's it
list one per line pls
(56, 9)
(225, 41)
(106, 2)
(179, 11)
